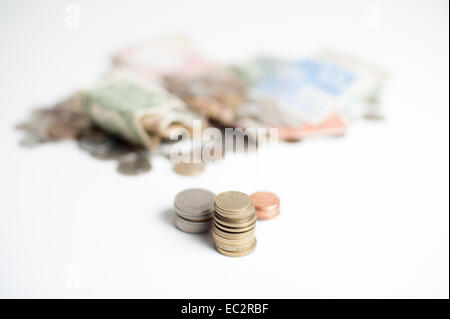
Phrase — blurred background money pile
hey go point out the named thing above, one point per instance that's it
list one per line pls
(155, 90)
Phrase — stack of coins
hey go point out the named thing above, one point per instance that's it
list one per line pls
(267, 205)
(234, 224)
(194, 210)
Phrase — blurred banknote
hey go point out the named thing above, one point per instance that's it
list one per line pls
(266, 113)
(141, 113)
(314, 96)
(160, 56)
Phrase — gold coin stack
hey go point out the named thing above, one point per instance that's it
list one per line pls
(234, 224)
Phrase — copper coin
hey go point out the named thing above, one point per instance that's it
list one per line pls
(265, 201)
(267, 215)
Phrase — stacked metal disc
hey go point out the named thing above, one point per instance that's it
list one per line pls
(267, 205)
(194, 210)
(234, 224)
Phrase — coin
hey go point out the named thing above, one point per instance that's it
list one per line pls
(267, 204)
(134, 164)
(233, 237)
(192, 227)
(194, 210)
(233, 202)
(241, 223)
(115, 152)
(265, 200)
(62, 130)
(189, 169)
(196, 218)
(234, 229)
(267, 215)
(195, 201)
(235, 216)
(242, 253)
(95, 142)
(235, 246)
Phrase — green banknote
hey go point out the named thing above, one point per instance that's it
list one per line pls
(139, 112)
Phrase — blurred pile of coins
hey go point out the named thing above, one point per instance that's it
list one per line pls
(55, 123)
(217, 95)
(234, 224)
(131, 159)
(194, 210)
(164, 99)
(64, 121)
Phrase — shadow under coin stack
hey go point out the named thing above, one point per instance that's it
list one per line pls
(234, 224)
(194, 210)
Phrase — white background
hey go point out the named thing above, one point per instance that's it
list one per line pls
(362, 216)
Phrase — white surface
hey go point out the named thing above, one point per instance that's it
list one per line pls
(362, 216)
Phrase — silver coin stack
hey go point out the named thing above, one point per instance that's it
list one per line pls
(194, 210)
